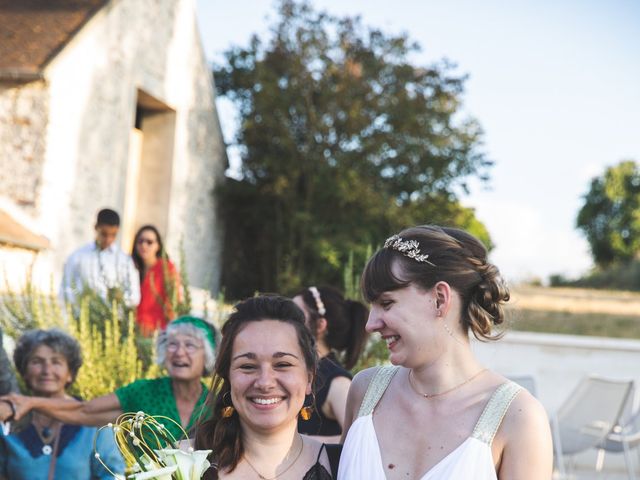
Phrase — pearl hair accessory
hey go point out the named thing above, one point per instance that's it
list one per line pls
(319, 304)
(409, 248)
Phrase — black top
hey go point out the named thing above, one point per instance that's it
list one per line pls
(328, 369)
(317, 471)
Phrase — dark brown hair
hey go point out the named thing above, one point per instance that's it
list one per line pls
(223, 435)
(109, 217)
(345, 322)
(455, 257)
(135, 256)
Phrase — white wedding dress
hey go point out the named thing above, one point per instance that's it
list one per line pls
(361, 458)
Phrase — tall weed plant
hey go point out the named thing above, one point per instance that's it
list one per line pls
(113, 352)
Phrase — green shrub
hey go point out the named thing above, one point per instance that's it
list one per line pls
(619, 276)
(113, 353)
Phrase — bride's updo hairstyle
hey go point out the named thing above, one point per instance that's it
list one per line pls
(429, 254)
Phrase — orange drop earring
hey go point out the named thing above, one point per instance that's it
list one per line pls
(307, 410)
(227, 411)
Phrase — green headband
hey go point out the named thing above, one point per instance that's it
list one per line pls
(208, 329)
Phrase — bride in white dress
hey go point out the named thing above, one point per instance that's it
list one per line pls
(436, 413)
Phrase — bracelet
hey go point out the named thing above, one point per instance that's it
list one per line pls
(13, 409)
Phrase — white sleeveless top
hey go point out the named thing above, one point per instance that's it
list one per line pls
(361, 458)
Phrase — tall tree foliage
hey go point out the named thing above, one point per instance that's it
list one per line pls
(610, 216)
(343, 141)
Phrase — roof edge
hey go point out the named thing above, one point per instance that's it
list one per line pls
(20, 75)
(38, 246)
(54, 53)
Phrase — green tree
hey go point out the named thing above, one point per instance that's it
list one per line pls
(610, 216)
(343, 141)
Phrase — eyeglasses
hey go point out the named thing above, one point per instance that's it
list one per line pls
(188, 346)
(145, 241)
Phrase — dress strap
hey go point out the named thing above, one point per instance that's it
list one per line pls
(333, 452)
(494, 412)
(376, 389)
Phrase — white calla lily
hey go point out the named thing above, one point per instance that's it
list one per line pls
(156, 474)
(190, 465)
(200, 463)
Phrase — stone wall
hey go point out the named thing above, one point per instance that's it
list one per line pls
(23, 123)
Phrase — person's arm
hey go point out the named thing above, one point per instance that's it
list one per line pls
(5, 411)
(176, 285)
(96, 412)
(131, 285)
(335, 405)
(525, 435)
(354, 398)
(69, 286)
(337, 399)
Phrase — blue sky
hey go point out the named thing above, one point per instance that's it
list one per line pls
(554, 84)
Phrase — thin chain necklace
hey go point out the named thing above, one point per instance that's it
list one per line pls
(433, 395)
(262, 477)
(47, 433)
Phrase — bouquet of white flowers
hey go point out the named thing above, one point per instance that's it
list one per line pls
(152, 452)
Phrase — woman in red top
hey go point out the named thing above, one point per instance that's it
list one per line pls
(159, 282)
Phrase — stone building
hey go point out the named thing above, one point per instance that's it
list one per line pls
(106, 103)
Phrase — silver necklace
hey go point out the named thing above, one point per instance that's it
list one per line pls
(47, 434)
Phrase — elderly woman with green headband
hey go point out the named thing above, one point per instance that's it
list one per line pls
(186, 349)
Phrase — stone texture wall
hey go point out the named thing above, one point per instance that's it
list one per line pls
(23, 123)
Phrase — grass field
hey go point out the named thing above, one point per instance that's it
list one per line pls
(575, 311)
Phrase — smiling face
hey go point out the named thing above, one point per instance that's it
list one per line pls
(47, 372)
(268, 379)
(147, 246)
(406, 320)
(185, 357)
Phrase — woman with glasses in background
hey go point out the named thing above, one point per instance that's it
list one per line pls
(159, 281)
(186, 349)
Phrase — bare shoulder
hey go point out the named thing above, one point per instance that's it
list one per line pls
(526, 413)
(312, 448)
(312, 443)
(360, 383)
(525, 433)
(356, 393)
